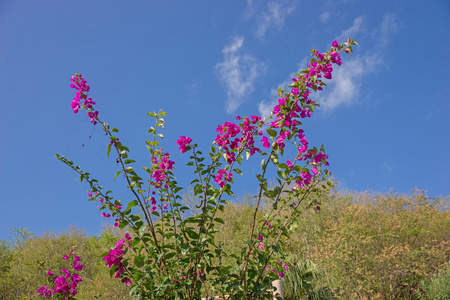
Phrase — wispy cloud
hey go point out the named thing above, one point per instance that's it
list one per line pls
(387, 167)
(344, 88)
(266, 107)
(352, 30)
(274, 16)
(388, 27)
(324, 16)
(238, 73)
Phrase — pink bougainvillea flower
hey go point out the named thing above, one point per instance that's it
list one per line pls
(127, 281)
(318, 207)
(289, 164)
(42, 290)
(335, 44)
(66, 257)
(75, 279)
(281, 274)
(78, 267)
(265, 142)
(182, 142)
(49, 273)
(261, 246)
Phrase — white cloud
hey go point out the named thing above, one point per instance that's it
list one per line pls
(387, 167)
(344, 88)
(276, 13)
(324, 16)
(351, 31)
(238, 73)
(266, 107)
(387, 28)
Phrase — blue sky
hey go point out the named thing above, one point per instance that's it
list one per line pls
(383, 120)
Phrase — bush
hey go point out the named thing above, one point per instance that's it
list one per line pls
(437, 287)
(381, 246)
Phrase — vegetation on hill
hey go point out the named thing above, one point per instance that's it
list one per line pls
(357, 246)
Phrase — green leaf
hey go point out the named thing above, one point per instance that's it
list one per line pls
(263, 163)
(117, 174)
(151, 114)
(247, 154)
(237, 171)
(132, 204)
(169, 255)
(138, 261)
(135, 242)
(142, 230)
(271, 132)
(129, 161)
(109, 150)
(113, 270)
(219, 220)
(198, 188)
(123, 224)
(115, 129)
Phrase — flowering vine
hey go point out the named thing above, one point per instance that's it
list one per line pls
(173, 254)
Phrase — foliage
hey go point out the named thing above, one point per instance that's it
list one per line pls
(27, 258)
(171, 256)
(436, 287)
(300, 280)
(376, 246)
(19, 259)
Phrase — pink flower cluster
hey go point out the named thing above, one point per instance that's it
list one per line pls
(281, 274)
(326, 66)
(285, 116)
(79, 83)
(219, 178)
(66, 284)
(229, 130)
(182, 142)
(114, 258)
(161, 167)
